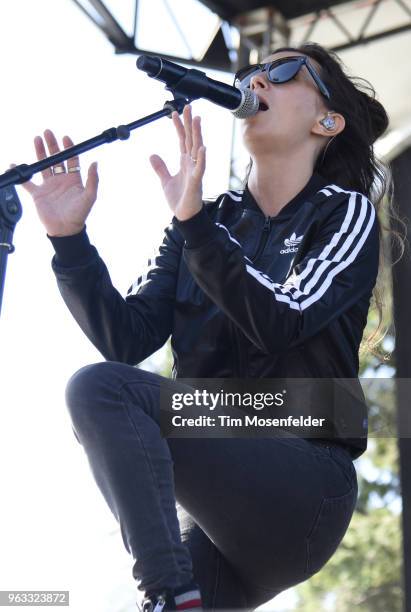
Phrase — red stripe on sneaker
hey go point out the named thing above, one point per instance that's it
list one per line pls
(187, 596)
(191, 603)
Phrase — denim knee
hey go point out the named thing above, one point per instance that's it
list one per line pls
(85, 394)
(80, 384)
(95, 388)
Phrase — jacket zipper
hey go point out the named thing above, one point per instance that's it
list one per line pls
(237, 351)
(241, 368)
(264, 238)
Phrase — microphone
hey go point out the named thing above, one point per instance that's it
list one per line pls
(192, 83)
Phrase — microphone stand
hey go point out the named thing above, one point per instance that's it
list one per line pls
(10, 206)
(10, 213)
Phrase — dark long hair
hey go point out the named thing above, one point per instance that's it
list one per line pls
(348, 159)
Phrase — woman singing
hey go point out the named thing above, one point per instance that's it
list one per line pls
(271, 281)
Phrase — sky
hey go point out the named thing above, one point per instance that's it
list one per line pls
(59, 72)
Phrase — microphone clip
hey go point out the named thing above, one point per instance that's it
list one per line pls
(189, 87)
(177, 104)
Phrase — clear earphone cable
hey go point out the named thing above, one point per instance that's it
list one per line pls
(325, 150)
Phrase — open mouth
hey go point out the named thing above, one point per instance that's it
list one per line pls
(263, 106)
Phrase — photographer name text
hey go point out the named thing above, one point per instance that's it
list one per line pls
(247, 421)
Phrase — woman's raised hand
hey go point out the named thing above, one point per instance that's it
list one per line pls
(183, 191)
(62, 202)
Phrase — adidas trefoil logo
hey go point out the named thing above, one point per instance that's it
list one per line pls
(292, 242)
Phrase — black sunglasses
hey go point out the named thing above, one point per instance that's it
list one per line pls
(279, 71)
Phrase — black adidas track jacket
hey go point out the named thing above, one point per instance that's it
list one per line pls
(242, 295)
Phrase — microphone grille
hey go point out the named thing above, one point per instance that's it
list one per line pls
(249, 105)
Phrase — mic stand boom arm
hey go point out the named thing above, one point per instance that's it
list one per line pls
(10, 206)
(24, 172)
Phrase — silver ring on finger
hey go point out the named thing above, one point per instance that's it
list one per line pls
(194, 159)
(74, 169)
(58, 170)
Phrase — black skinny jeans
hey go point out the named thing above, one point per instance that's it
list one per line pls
(255, 516)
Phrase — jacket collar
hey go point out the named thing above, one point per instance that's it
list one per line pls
(314, 185)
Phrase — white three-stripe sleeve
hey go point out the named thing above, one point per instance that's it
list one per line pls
(152, 263)
(152, 296)
(339, 268)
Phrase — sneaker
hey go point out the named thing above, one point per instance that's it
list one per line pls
(186, 598)
(156, 603)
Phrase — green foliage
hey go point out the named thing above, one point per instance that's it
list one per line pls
(365, 573)
(166, 366)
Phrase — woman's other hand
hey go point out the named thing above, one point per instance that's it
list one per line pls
(62, 202)
(184, 191)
